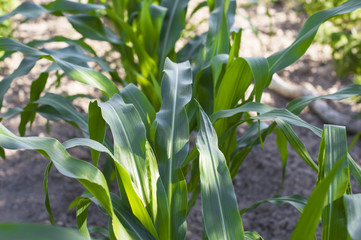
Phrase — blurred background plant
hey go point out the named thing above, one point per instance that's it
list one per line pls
(5, 7)
(342, 34)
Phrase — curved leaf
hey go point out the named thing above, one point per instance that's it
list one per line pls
(297, 201)
(286, 57)
(219, 203)
(89, 176)
(129, 151)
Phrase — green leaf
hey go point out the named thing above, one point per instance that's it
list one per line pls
(64, 108)
(289, 118)
(219, 203)
(297, 201)
(252, 236)
(89, 176)
(172, 27)
(20, 231)
(32, 10)
(82, 216)
(297, 105)
(92, 27)
(353, 208)
(71, 6)
(296, 143)
(24, 68)
(150, 24)
(281, 142)
(37, 86)
(27, 9)
(309, 219)
(129, 151)
(286, 57)
(132, 95)
(233, 86)
(127, 218)
(88, 76)
(334, 142)
(96, 128)
(47, 200)
(171, 142)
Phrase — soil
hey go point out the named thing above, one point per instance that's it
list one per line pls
(259, 178)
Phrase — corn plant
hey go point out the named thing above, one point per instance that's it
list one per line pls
(150, 152)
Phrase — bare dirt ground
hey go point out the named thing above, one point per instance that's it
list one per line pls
(21, 175)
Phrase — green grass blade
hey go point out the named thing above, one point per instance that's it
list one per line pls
(326, 198)
(309, 219)
(296, 143)
(335, 149)
(286, 57)
(297, 201)
(46, 193)
(355, 169)
(24, 68)
(281, 142)
(21, 231)
(171, 142)
(289, 118)
(297, 105)
(219, 203)
(172, 27)
(247, 107)
(82, 216)
(37, 86)
(96, 128)
(353, 208)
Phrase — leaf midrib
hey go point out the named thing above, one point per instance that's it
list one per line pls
(217, 184)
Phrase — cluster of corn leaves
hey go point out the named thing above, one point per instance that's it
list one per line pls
(150, 127)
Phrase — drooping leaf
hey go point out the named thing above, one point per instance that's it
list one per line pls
(286, 57)
(24, 68)
(89, 176)
(297, 201)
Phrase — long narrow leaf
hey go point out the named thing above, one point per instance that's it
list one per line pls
(171, 143)
(219, 203)
(334, 213)
(286, 57)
